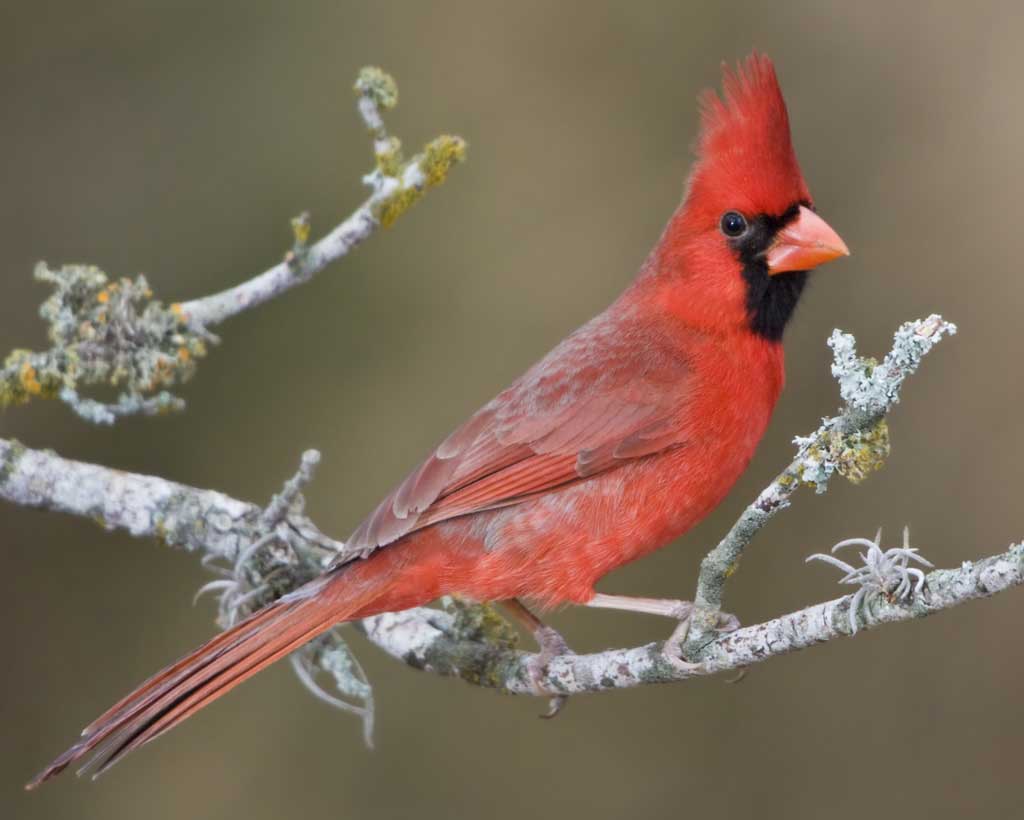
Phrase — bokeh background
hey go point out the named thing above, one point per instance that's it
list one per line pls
(177, 138)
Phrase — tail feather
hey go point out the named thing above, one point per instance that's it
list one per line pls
(162, 717)
(209, 650)
(196, 680)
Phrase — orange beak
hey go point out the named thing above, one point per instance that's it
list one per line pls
(803, 244)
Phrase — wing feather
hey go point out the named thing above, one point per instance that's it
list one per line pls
(597, 400)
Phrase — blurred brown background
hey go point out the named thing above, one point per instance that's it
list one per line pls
(177, 138)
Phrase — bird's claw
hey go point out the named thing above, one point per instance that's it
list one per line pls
(552, 645)
(741, 673)
(727, 622)
(674, 650)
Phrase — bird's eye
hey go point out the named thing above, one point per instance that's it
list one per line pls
(733, 223)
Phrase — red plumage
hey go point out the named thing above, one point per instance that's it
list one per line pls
(619, 440)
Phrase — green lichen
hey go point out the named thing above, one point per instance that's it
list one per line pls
(480, 623)
(102, 332)
(479, 647)
(389, 157)
(476, 663)
(853, 455)
(12, 454)
(378, 85)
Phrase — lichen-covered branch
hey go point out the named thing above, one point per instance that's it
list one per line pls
(258, 554)
(263, 553)
(852, 443)
(431, 641)
(104, 332)
(396, 184)
(115, 333)
(461, 640)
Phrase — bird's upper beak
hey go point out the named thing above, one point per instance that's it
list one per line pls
(804, 243)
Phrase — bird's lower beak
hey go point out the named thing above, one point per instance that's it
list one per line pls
(804, 243)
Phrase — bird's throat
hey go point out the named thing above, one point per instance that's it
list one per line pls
(771, 300)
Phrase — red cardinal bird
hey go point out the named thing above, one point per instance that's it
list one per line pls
(622, 438)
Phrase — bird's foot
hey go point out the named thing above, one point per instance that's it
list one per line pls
(552, 645)
(674, 650)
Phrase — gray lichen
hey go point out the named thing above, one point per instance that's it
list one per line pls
(330, 654)
(283, 549)
(104, 332)
(856, 441)
(881, 573)
(114, 334)
(853, 443)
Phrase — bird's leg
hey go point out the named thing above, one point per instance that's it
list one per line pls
(551, 644)
(668, 608)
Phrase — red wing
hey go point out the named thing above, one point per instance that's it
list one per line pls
(591, 404)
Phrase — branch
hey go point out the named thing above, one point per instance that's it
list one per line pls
(258, 553)
(462, 640)
(396, 184)
(854, 443)
(432, 642)
(115, 333)
(273, 550)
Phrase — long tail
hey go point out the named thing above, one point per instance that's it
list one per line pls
(212, 670)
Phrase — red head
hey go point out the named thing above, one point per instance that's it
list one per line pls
(746, 233)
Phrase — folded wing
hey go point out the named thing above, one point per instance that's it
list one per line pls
(599, 399)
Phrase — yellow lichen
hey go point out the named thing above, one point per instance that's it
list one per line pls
(854, 455)
(864, 453)
(103, 296)
(29, 381)
(389, 158)
(439, 157)
(435, 162)
(300, 230)
(395, 205)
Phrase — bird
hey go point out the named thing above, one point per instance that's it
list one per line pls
(619, 440)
